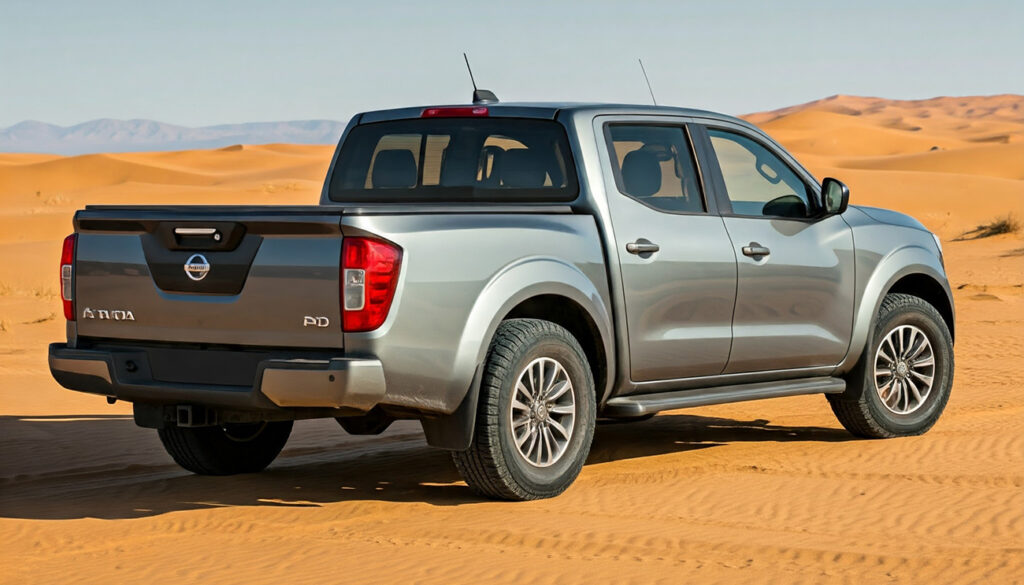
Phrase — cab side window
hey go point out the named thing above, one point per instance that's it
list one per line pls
(654, 165)
(757, 182)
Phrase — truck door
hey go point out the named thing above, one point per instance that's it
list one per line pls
(795, 293)
(677, 264)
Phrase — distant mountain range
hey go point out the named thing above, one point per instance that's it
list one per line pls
(107, 135)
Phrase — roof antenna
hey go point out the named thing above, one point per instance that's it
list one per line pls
(645, 79)
(480, 96)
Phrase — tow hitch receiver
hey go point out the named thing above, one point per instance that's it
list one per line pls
(189, 416)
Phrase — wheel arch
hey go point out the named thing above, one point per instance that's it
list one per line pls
(911, 270)
(928, 288)
(537, 287)
(576, 320)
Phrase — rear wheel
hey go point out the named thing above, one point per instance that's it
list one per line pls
(227, 449)
(902, 382)
(535, 419)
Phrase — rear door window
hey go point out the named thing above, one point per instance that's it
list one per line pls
(654, 165)
(455, 160)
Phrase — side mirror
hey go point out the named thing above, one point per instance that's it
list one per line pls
(835, 196)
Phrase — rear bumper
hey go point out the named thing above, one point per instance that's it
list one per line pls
(343, 383)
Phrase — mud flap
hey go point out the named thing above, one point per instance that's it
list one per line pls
(151, 416)
(454, 431)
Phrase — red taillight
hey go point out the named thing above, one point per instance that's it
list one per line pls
(369, 273)
(460, 112)
(67, 273)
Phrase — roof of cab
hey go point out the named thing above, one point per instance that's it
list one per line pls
(547, 110)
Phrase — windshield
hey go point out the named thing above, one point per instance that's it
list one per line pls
(455, 160)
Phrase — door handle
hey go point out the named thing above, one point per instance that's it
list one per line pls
(641, 247)
(755, 250)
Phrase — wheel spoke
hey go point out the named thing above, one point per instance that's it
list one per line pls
(901, 395)
(888, 341)
(548, 440)
(919, 348)
(560, 389)
(927, 380)
(550, 381)
(562, 409)
(521, 388)
(882, 353)
(914, 391)
(911, 342)
(928, 361)
(517, 405)
(885, 390)
(520, 439)
(534, 443)
(894, 394)
(558, 427)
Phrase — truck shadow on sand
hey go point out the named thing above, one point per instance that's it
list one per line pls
(106, 467)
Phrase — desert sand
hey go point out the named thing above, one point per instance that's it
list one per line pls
(766, 492)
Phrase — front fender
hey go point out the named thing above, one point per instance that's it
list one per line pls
(879, 280)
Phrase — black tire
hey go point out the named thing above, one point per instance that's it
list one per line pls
(374, 422)
(861, 409)
(493, 466)
(227, 449)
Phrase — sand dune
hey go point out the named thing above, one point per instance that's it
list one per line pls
(1002, 160)
(767, 492)
(951, 162)
(997, 108)
(862, 139)
(182, 168)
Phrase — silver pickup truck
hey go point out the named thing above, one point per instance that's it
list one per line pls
(508, 274)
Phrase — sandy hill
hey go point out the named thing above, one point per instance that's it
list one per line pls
(952, 162)
(765, 492)
(107, 135)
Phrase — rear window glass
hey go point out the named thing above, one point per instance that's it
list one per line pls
(455, 160)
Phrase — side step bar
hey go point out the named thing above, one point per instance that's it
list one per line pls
(643, 404)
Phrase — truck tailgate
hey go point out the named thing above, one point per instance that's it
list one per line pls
(257, 276)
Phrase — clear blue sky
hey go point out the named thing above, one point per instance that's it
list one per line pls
(208, 62)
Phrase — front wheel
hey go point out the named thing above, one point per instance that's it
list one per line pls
(227, 449)
(536, 414)
(902, 382)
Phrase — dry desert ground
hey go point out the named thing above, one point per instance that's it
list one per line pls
(765, 492)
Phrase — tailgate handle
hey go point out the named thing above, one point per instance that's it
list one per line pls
(198, 231)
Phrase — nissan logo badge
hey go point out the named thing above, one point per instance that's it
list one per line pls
(197, 267)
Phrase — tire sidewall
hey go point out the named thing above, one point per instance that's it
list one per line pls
(211, 451)
(939, 338)
(555, 478)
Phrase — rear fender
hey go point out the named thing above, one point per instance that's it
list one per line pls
(515, 283)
